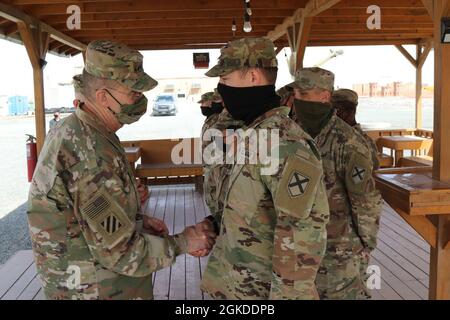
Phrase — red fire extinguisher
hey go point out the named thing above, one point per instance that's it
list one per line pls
(31, 156)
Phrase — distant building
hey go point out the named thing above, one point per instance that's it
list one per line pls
(394, 89)
(190, 88)
(18, 105)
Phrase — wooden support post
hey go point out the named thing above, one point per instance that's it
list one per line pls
(302, 41)
(441, 152)
(36, 44)
(440, 256)
(419, 116)
(440, 262)
(298, 35)
(421, 56)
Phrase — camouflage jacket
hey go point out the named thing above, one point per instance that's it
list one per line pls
(370, 145)
(217, 174)
(273, 232)
(355, 203)
(209, 122)
(82, 207)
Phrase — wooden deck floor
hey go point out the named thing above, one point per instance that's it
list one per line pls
(402, 255)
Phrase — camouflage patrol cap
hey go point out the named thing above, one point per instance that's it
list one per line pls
(312, 78)
(345, 95)
(116, 61)
(245, 52)
(209, 96)
(285, 92)
(77, 81)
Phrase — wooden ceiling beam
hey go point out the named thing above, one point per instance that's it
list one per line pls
(363, 19)
(383, 31)
(381, 3)
(360, 26)
(312, 43)
(63, 48)
(346, 3)
(159, 32)
(428, 4)
(11, 29)
(55, 45)
(161, 6)
(312, 8)
(17, 16)
(173, 37)
(186, 23)
(185, 14)
(361, 42)
(362, 12)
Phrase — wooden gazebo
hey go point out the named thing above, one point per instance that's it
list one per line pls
(41, 25)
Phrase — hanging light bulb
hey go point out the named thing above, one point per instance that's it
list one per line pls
(233, 26)
(247, 24)
(248, 10)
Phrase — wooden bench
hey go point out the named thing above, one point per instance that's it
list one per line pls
(386, 161)
(416, 161)
(158, 168)
(421, 158)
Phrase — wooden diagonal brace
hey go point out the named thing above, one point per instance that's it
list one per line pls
(422, 225)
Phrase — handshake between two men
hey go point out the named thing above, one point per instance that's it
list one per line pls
(200, 238)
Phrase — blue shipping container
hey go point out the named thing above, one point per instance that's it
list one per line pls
(17, 105)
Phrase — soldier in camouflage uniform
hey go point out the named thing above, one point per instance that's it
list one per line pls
(273, 227)
(287, 99)
(210, 111)
(345, 101)
(83, 199)
(355, 203)
(77, 81)
(287, 96)
(217, 174)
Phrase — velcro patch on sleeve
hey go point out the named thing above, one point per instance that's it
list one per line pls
(298, 186)
(107, 218)
(358, 173)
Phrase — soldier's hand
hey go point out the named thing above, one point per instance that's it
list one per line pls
(205, 225)
(198, 239)
(143, 192)
(200, 253)
(155, 226)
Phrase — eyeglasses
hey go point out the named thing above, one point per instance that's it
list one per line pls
(130, 94)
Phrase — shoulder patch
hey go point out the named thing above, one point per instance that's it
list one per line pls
(298, 186)
(106, 218)
(358, 173)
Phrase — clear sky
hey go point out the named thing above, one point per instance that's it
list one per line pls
(381, 64)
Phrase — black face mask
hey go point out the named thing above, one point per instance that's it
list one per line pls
(248, 103)
(313, 116)
(207, 111)
(216, 107)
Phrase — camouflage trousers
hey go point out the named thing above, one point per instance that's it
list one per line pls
(343, 279)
